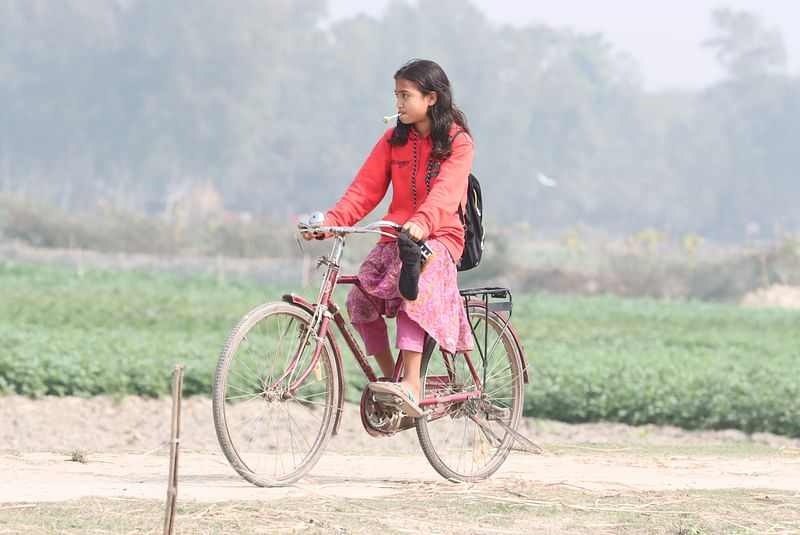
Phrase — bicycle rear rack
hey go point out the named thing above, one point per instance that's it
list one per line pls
(495, 299)
(488, 293)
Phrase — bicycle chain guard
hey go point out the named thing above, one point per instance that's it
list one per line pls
(382, 418)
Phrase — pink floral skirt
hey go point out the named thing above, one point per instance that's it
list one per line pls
(438, 309)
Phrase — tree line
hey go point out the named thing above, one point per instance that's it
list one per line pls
(127, 101)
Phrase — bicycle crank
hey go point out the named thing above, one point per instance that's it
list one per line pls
(392, 402)
(380, 419)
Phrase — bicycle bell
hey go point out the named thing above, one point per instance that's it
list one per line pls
(316, 219)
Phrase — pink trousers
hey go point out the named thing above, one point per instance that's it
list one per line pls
(410, 336)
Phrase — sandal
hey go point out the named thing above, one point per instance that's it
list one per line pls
(408, 404)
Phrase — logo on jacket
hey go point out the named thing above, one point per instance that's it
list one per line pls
(401, 163)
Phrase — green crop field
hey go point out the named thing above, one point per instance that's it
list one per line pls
(637, 361)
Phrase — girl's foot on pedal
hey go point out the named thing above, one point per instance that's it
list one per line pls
(411, 388)
(408, 401)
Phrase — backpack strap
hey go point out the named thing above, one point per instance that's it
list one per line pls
(460, 209)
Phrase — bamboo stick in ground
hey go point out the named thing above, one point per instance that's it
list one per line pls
(172, 484)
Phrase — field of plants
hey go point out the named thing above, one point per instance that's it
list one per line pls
(695, 365)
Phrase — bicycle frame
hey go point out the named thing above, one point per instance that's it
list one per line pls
(324, 309)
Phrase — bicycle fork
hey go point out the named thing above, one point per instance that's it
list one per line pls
(318, 327)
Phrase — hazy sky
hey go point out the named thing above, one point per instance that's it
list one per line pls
(665, 36)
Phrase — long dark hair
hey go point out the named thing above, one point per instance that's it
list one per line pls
(428, 76)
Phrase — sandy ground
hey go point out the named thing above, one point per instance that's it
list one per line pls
(206, 477)
(124, 442)
(775, 296)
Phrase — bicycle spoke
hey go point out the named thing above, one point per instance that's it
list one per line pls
(253, 349)
(244, 424)
(288, 424)
(291, 420)
(251, 391)
(248, 395)
(460, 458)
(277, 456)
(316, 404)
(306, 385)
(247, 382)
(268, 377)
(299, 369)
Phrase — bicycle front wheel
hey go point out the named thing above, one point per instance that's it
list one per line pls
(468, 440)
(271, 434)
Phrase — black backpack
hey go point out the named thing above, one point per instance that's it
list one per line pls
(472, 218)
(471, 215)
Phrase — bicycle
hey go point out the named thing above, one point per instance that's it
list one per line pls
(278, 389)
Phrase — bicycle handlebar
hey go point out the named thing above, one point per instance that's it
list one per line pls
(371, 228)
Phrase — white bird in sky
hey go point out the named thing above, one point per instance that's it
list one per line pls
(545, 181)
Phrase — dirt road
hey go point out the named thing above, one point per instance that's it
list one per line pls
(122, 443)
(206, 477)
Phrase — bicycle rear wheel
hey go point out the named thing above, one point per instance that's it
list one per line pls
(271, 436)
(464, 440)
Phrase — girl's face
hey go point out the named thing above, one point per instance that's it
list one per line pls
(411, 103)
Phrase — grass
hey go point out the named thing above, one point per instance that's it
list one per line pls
(695, 365)
(437, 508)
(113, 332)
(79, 456)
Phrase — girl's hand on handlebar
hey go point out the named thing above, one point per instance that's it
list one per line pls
(414, 230)
(308, 222)
(311, 235)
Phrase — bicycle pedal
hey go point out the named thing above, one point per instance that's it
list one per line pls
(385, 398)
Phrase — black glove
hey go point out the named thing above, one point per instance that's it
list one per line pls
(410, 255)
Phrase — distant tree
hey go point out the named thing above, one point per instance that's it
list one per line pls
(744, 46)
(127, 101)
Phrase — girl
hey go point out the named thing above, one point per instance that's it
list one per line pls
(426, 158)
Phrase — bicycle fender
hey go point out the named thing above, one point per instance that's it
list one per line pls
(308, 307)
(514, 336)
(521, 348)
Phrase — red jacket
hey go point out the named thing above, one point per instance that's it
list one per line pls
(436, 212)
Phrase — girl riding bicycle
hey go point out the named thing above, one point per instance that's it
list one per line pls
(426, 158)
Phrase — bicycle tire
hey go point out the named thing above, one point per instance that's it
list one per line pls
(461, 440)
(270, 437)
